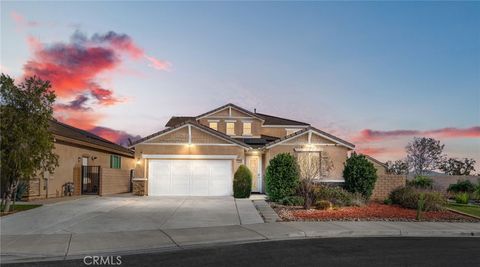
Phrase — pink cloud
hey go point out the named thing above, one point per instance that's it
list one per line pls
(116, 136)
(158, 64)
(368, 135)
(21, 21)
(104, 96)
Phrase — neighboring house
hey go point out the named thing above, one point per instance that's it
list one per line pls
(93, 164)
(380, 166)
(198, 155)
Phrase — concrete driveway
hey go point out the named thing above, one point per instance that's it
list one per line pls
(130, 213)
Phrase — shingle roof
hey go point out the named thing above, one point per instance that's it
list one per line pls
(68, 131)
(339, 140)
(177, 120)
(273, 120)
(195, 123)
(257, 142)
(233, 106)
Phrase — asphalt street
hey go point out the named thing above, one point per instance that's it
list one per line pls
(385, 251)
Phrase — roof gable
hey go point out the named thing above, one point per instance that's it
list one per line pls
(191, 123)
(312, 130)
(229, 107)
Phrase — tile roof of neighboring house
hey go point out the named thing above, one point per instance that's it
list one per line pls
(196, 124)
(68, 131)
(334, 138)
(272, 120)
(177, 120)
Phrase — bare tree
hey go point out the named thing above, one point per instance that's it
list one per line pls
(424, 154)
(455, 166)
(399, 167)
(309, 169)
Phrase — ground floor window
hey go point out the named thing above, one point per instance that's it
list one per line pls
(115, 162)
(309, 163)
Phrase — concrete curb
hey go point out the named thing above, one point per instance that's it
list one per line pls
(74, 246)
(463, 213)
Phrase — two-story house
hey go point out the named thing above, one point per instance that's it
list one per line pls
(198, 155)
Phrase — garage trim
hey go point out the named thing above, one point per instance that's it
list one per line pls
(157, 156)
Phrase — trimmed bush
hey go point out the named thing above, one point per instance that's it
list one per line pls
(242, 182)
(462, 198)
(323, 205)
(421, 182)
(360, 175)
(408, 197)
(461, 186)
(338, 196)
(292, 201)
(281, 177)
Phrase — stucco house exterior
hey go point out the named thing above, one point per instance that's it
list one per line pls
(198, 155)
(94, 165)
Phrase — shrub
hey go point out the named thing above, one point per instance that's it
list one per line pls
(323, 205)
(281, 177)
(421, 182)
(476, 193)
(360, 175)
(420, 205)
(387, 201)
(292, 201)
(242, 182)
(461, 186)
(408, 197)
(338, 196)
(358, 200)
(462, 198)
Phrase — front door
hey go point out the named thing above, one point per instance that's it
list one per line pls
(254, 163)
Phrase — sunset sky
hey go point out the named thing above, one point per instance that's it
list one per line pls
(375, 74)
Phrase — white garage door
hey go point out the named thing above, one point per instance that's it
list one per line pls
(190, 177)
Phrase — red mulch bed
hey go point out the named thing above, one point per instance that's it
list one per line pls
(370, 212)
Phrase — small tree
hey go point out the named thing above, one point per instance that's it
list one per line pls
(360, 175)
(309, 170)
(242, 182)
(26, 145)
(311, 166)
(424, 154)
(455, 166)
(399, 167)
(281, 177)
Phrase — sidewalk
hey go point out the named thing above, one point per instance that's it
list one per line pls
(18, 248)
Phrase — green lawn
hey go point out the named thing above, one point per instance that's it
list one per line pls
(21, 207)
(470, 209)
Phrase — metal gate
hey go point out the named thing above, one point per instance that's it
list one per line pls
(90, 180)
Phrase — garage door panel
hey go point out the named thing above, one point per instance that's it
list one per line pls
(200, 178)
(190, 177)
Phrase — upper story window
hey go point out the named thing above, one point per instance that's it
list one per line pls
(213, 125)
(115, 162)
(230, 128)
(247, 128)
